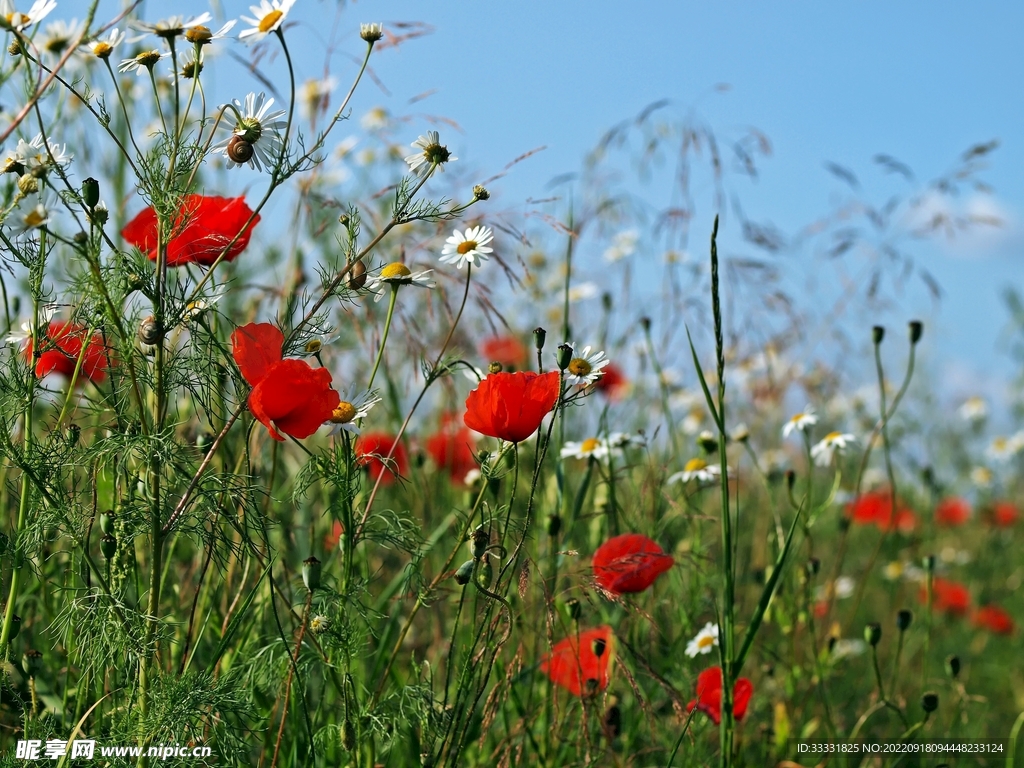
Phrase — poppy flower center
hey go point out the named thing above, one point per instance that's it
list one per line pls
(695, 465)
(344, 413)
(465, 247)
(589, 445)
(579, 367)
(249, 129)
(395, 270)
(267, 22)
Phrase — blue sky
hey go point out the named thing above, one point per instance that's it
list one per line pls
(826, 82)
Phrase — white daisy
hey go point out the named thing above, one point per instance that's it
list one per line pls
(620, 440)
(371, 33)
(981, 477)
(143, 63)
(431, 154)
(257, 133)
(585, 368)
(101, 48)
(35, 155)
(201, 35)
(623, 245)
(583, 291)
(172, 27)
(375, 119)
(21, 337)
(696, 469)
(800, 421)
(58, 36)
(395, 275)
(832, 442)
(704, 641)
(973, 409)
(315, 94)
(1002, 449)
(591, 447)
(268, 17)
(469, 248)
(848, 647)
(21, 220)
(40, 10)
(354, 406)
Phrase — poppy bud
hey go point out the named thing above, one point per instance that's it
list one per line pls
(485, 573)
(74, 433)
(612, 721)
(606, 301)
(107, 520)
(348, 735)
(480, 539)
(108, 546)
(32, 661)
(564, 356)
(554, 525)
(574, 608)
(790, 479)
(357, 276)
(929, 701)
(600, 646)
(707, 442)
(15, 625)
(495, 367)
(877, 334)
(149, 331)
(311, 573)
(645, 323)
(873, 633)
(903, 619)
(916, 329)
(480, 192)
(929, 563)
(813, 567)
(832, 640)
(953, 666)
(465, 573)
(539, 337)
(90, 192)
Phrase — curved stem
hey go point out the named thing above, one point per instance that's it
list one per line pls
(384, 338)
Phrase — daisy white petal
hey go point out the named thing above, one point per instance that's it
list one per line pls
(267, 17)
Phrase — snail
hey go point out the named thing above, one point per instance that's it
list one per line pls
(239, 150)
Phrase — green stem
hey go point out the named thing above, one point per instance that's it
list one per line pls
(384, 338)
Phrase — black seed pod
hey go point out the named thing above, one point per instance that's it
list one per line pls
(311, 573)
(108, 546)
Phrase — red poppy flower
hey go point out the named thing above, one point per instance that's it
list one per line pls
(952, 511)
(994, 619)
(613, 383)
(331, 539)
(511, 406)
(875, 508)
(1004, 514)
(203, 228)
(451, 448)
(290, 395)
(372, 447)
(507, 350)
(581, 665)
(709, 695)
(61, 347)
(948, 596)
(629, 563)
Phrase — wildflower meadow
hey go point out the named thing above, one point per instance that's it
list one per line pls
(317, 451)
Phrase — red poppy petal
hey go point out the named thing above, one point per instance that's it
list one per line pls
(572, 670)
(256, 347)
(741, 693)
(629, 563)
(295, 396)
(141, 232)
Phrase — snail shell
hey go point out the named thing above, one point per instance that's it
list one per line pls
(357, 276)
(149, 331)
(240, 150)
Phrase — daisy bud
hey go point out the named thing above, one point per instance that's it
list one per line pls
(28, 185)
(344, 219)
(311, 573)
(873, 633)
(707, 441)
(100, 214)
(929, 701)
(32, 661)
(319, 624)
(495, 367)
(108, 546)
(480, 539)
(371, 33)
(14, 49)
(903, 620)
(741, 433)
(198, 34)
(480, 193)
(554, 525)
(564, 356)
(465, 573)
(916, 329)
(877, 334)
(107, 520)
(90, 192)
(357, 276)
(953, 666)
(539, 337)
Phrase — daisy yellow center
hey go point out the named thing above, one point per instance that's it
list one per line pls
(579, 367)
(249, 128)
(102, 50)
(797, 418)
(199, 34)
(831, 437)
(705, 641)
(35, 219)
(466, 247)
(999, 443)
(695, 465)
(589, 445)
(267, 22)
(313, 346)
(436, 154)
(148, 59)
(344, 413)
(392, 271)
